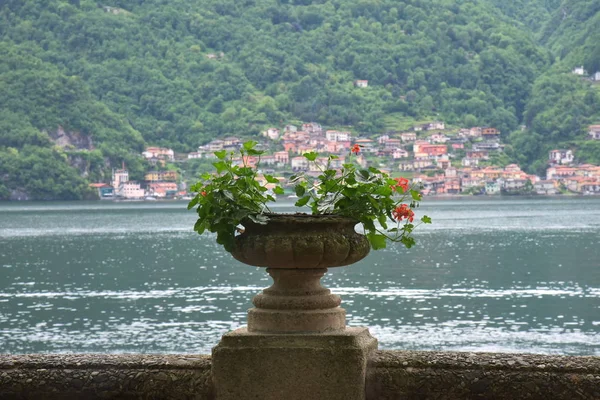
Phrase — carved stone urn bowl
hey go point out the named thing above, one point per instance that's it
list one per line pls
(297, 249)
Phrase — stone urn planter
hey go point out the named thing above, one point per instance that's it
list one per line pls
(297, 249)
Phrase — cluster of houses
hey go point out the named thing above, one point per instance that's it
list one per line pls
(156, 184)
(443, 161)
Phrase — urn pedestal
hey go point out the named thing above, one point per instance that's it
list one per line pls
(296, 345)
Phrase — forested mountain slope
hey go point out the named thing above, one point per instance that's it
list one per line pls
(561, 104)
(127, 73)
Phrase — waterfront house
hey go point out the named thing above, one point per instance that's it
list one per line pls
(452, 185)
(546, 187)
(492, 187)
(105, 191)
(130, 190)
(119, 176)
(162, 189)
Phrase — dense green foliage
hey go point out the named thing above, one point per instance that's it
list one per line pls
(562, 105)
(141, 73)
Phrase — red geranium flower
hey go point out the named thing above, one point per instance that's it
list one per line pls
(403, 211)
(402, 183)
(203, 193)
(355, 149)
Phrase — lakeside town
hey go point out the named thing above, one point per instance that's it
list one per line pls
(443, 161)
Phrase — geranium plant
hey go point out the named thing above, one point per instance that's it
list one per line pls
(383, 205)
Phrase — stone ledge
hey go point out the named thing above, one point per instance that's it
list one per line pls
(450, 376)
(105, 361)
(391, 375)
(105, 376)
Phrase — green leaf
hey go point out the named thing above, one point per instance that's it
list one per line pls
(303, 201)
(278, 190)
(384, 191)
(199, 226)
(333, 157)
(220, 166)
(252, 152)
(300, 190)
(206, 176)
(425, 219)
(312, 156)
(364, 173)
(377, 241)
(249, 145)
(221, 154)
(383, 221)
(192, 203)
(415, 195)
(271, 179)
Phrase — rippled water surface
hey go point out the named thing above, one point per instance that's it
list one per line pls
(489, 275)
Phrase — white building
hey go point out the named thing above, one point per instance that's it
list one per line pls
(130, 190)
(361, 83)
(336, 136)
(299, 164)
(272, 133)
(119, 176)
(579, 71)
(561, 157)
(594, 132)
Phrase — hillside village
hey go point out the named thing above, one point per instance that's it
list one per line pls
(444, 161)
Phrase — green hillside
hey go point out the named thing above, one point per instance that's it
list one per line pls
(179, 73)
(562, 104)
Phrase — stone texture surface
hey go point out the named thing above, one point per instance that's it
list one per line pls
(301, 241)
(446, 375)
(326, 366)
(296, 302)
(389, 375)
(104, 376)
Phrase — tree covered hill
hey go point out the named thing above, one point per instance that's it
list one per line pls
(127, 73)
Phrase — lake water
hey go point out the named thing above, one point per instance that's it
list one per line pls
(509, 275)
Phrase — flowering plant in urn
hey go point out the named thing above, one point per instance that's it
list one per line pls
(238, 193)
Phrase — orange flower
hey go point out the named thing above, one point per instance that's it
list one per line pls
(401, 183)
(203, 193)
(403, 211)
(355, 149)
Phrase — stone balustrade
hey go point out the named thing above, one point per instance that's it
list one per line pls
(390, 375)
